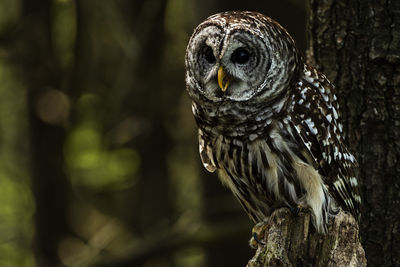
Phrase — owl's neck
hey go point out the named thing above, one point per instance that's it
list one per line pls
(238, 119)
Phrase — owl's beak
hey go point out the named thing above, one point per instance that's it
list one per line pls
(223, 79)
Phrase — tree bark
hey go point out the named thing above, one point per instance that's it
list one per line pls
(357, 45)
(291, 241)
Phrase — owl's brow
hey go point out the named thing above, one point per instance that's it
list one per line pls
(221, 46)
(229, 33)
(207, 24)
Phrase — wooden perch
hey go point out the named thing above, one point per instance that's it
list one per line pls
(292, 241)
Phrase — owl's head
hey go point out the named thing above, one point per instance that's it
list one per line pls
(240, 56)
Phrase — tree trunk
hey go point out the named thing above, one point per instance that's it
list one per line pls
(357, 45)
(292, 241)
(41, 76)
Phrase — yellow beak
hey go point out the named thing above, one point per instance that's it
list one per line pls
(223, 79)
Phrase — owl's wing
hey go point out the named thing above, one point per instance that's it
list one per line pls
(316, 123)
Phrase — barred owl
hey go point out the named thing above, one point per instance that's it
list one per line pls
(268, 122)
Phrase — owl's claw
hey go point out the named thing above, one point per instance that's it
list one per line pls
(297, 210)
(255, 241)
(258, 235)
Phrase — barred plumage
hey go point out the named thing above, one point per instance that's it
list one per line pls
(268, 123)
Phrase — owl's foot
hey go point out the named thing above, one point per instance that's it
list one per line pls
(258, 234)
(297, 209)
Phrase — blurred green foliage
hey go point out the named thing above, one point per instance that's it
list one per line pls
(64, 30)
(16, 228)
(16, 200)
(91, 163)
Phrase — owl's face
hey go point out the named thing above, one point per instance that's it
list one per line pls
(237, 56)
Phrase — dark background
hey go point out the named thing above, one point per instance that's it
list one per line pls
(99, 156)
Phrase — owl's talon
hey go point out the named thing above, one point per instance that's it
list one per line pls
(297, 210)
(258, 235)
(259, 242)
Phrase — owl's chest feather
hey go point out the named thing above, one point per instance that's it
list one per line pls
(237, 120)
(252, 167)
(251, 170)
(265, 173)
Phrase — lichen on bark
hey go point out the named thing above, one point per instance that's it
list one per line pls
(292, 241)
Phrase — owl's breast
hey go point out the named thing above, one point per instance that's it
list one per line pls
(241, 167)
(233, 120)
(265, 174)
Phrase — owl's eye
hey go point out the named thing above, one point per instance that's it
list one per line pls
(209, 54)
(240, 56)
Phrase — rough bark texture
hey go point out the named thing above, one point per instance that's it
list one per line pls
(292, 241)
(357, 45)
